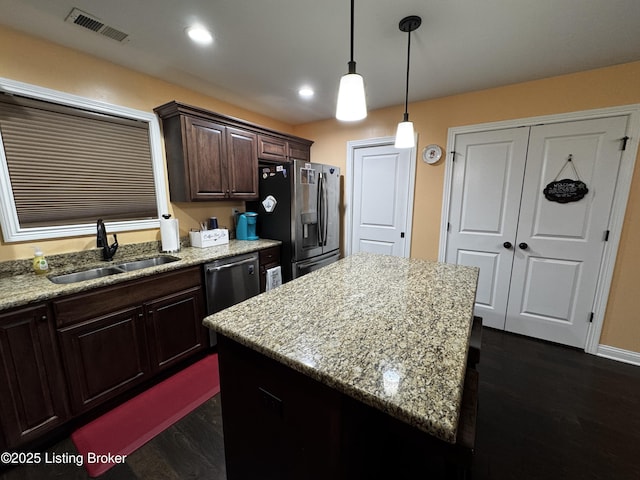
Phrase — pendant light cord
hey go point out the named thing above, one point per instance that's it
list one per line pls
(406, 92)
(352, 64)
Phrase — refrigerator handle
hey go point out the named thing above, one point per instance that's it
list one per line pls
(325, 213)
(319, 209)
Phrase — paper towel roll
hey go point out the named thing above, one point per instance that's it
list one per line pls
(274, 278)
(170, 234)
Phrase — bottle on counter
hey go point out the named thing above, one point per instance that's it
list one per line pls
(40, 265)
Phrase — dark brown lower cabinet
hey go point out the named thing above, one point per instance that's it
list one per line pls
(104, 357)
(269, 258)
(174, 326)
(32, 391)
(116, 337)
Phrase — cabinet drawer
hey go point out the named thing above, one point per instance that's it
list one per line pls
(270, 255)
(104, 300)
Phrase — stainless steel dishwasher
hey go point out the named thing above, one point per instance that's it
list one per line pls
(229, 281)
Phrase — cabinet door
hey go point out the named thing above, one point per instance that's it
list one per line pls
(104, 357)
(269, 258)
(32, 394)
(242, 156)
(174, 327)
(271, 148)
(206, 153)
(298, 151)
(278, 423)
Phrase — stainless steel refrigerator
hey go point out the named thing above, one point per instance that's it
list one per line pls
(299, 205)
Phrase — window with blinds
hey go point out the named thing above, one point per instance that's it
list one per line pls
(71, 165)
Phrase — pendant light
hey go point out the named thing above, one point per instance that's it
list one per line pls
(405, 136)
(352, 105)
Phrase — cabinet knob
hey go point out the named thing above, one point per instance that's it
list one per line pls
(507, 245)
(523, 246)
(43, 318)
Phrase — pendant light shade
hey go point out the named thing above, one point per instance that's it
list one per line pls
(405, 136)
(352, 104)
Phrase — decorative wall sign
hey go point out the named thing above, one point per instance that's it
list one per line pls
(566, 190)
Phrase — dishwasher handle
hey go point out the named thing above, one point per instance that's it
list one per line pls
(229, 265)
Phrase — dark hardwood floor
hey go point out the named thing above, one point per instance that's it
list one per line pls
(545, 412)
(551, 412)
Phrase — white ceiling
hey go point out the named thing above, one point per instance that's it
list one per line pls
(264, 50)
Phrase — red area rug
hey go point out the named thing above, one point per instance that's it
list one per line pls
(130, 425)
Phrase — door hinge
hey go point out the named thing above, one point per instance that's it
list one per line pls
(453, 156)
(448, 227)
(591, 318)
(401, 234)
(606, 236)
(624, 141)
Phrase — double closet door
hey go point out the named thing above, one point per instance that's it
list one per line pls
(539, 259)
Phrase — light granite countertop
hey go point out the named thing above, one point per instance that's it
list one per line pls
(20, 286)
(390, 332)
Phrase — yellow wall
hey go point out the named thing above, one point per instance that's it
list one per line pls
(28, 59)
(607, 87)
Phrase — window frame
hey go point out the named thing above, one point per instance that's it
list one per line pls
(11, 229)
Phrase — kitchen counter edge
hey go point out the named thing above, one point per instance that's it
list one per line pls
(25, 289)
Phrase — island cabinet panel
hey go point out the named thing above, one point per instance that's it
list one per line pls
(33, 398)
(104, 357)
(278, 424)
(174, 325)
(282, 424)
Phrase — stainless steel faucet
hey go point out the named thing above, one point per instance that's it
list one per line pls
(108, 251)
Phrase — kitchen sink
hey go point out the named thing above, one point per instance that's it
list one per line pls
(93, 273)
(85, 275)
(146, 263)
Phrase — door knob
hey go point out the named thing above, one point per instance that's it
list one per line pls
(507, 245)
(523, 246)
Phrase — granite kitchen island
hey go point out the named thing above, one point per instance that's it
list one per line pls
(354, 370)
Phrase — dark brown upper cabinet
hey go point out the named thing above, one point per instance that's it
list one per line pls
(215, 157)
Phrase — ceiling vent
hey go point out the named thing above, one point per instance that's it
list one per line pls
(91, 22)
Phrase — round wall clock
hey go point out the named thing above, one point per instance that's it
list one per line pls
(431, 154)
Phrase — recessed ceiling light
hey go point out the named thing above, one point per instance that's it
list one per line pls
(306, 92)
(199, 34)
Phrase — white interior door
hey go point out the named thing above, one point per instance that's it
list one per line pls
(380, 200)
(560, 245)
(539, 260)
(488, 171)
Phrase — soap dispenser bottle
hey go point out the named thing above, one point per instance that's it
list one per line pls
(40, 265)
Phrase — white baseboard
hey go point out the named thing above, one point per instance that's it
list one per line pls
(626, 356)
